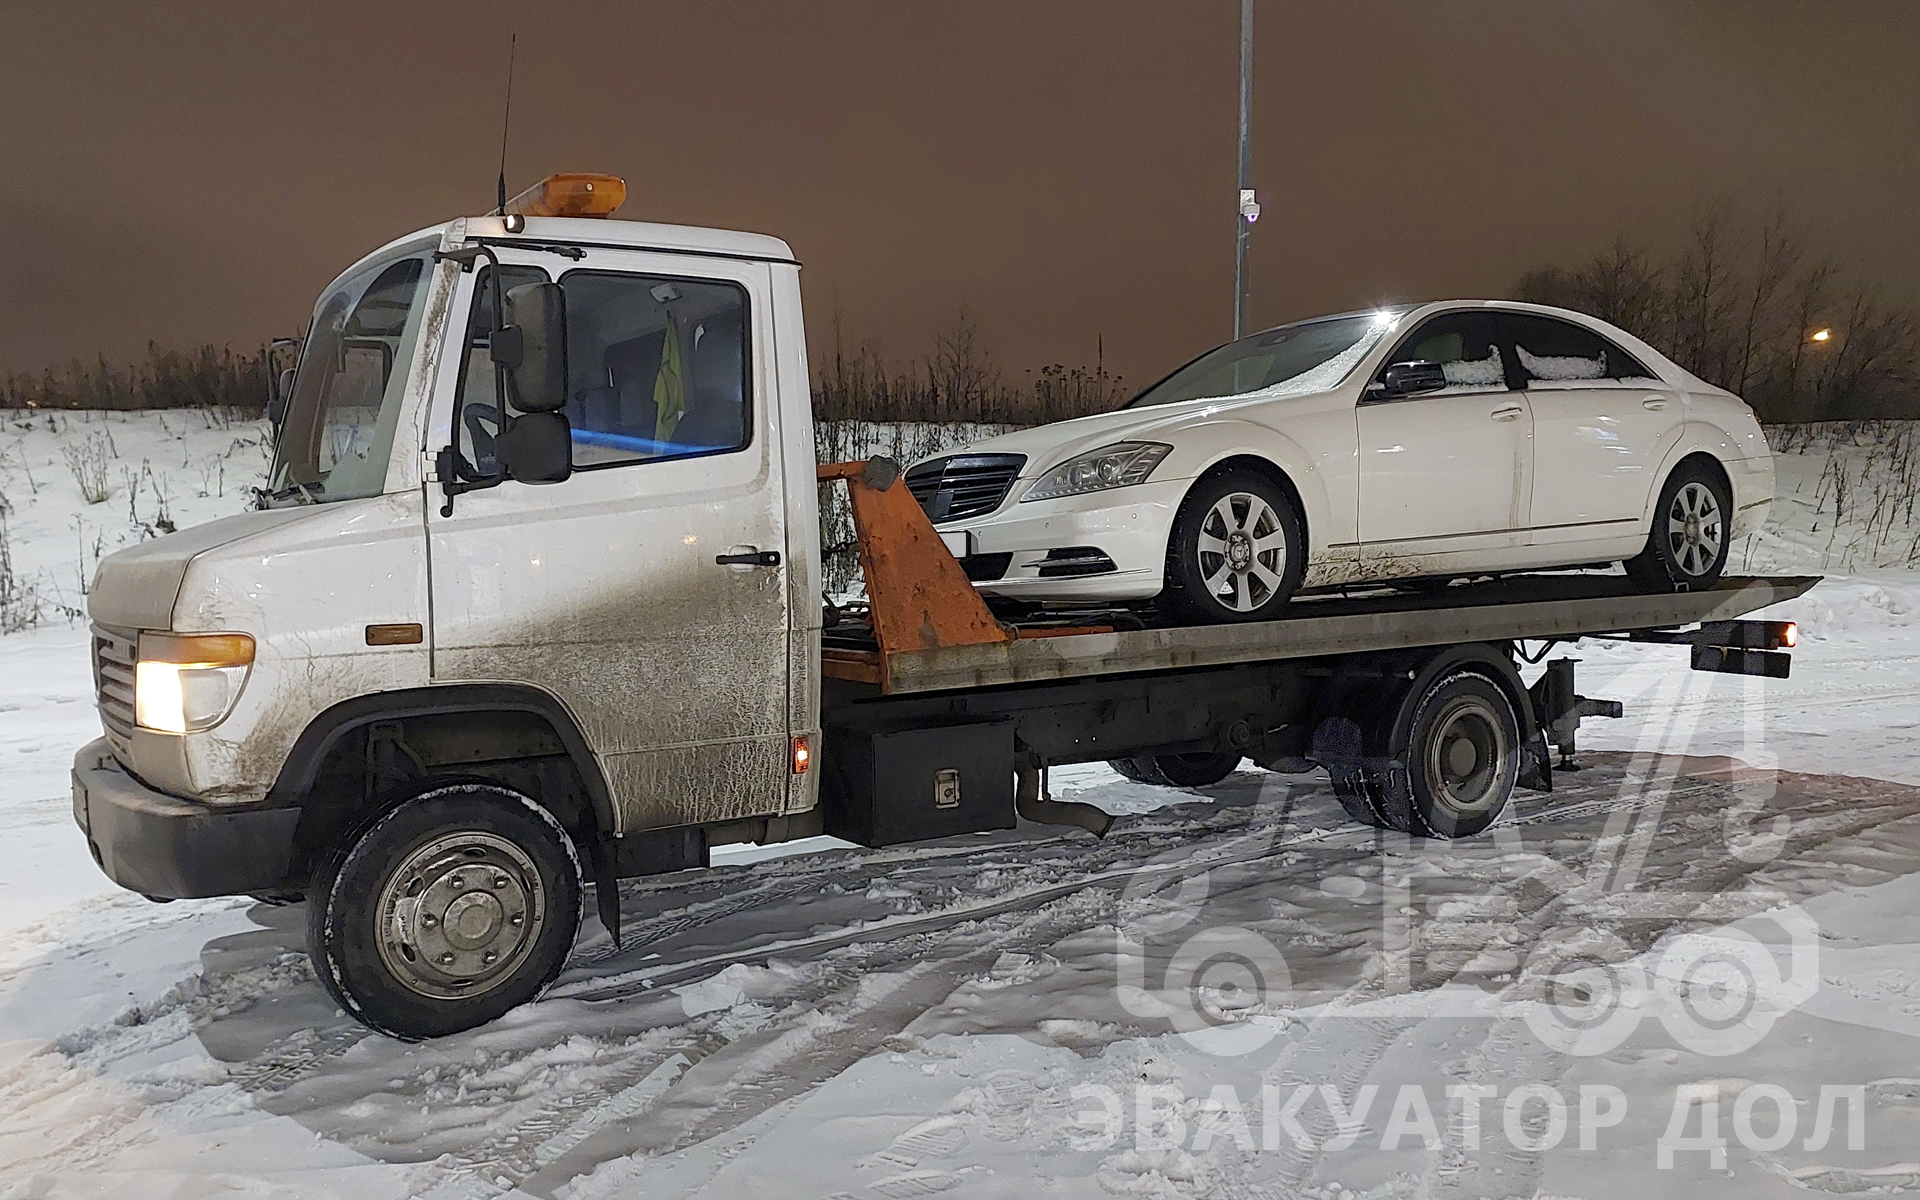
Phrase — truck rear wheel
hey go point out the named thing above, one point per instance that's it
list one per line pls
(1441, 764)
(452, 909)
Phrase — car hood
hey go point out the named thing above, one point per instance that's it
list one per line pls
(1046, 446)
(136, 588)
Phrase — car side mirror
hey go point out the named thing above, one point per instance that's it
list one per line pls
(531, 346)
(536, 448)
(1411, 379)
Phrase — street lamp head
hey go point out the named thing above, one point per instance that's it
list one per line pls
(1821, 335)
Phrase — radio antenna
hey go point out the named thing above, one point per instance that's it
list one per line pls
(506, 124)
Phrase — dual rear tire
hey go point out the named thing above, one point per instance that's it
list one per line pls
(1440, 764)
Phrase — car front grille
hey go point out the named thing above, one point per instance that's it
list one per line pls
(963, 485)
(113, 658)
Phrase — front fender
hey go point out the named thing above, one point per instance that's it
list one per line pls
(1203, 447)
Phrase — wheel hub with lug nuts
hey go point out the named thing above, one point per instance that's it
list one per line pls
(459, 914)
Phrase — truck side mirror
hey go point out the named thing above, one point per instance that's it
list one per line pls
(277, 403)
(1410, 379)
(536, 447)
(532, 347)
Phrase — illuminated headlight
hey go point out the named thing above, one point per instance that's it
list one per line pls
(1118, 465)
(186, 682)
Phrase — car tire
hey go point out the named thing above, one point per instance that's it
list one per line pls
(1688, 544)
(1236, 552)
(408, 941)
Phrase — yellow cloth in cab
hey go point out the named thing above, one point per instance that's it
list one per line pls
(669, 385)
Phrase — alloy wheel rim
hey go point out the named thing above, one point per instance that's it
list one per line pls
(460, 914)
(1695, 529)
(1242, 551)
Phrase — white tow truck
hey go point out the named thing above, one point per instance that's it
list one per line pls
(533, 603)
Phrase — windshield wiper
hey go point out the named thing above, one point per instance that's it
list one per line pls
(288, 492)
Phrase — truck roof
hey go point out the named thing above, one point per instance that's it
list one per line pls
(601, 231)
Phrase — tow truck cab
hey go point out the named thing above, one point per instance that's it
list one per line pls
(533, 602)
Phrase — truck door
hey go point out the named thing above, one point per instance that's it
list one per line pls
(646, 592)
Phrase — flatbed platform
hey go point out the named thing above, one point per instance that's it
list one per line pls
(1560, 607)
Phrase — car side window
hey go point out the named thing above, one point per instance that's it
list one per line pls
(1557, 353)
(1464, 345)
(657, 367)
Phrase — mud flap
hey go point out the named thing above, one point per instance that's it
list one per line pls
(1536, 764)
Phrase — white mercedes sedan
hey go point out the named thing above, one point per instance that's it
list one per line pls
(1415, 444)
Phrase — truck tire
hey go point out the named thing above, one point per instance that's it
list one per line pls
(1178, 770)
(1237, 550)
(1136, 770)
(1456, 759)
(1196, 770)
(460, 904)
(1688, 544)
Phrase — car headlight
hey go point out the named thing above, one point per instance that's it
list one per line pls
(1118, 465)
(187, 682)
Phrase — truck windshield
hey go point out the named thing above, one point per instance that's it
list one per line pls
(338, 432)
(1293, 360)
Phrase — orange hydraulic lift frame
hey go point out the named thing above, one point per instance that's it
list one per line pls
(918, 595)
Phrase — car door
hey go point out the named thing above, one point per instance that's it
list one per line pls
(1602, 424)
(605, 589)
(1446, 470)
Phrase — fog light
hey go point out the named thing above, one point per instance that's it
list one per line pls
(187, 682)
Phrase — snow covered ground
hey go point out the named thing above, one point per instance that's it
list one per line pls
(1237, 994)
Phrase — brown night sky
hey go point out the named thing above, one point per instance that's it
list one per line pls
(196, 172)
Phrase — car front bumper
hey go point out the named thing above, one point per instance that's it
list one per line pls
(167, 848)
(1129, 525)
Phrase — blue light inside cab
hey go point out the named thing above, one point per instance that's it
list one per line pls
(639, 445)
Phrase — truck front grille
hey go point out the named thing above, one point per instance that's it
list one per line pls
(114, 654)
(963, 485)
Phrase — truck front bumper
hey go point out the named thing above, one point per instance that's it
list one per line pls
(172, 849)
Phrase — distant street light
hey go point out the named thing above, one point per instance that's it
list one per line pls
(1822, 335)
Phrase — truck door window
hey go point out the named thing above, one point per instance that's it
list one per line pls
(657, 367)
(477, 418)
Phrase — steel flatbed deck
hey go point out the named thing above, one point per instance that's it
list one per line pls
(1558, 607)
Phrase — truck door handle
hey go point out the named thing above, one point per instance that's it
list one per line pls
(1655, 403)
(1506, 412)
(752, 558)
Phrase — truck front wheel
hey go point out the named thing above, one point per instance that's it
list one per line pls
(460, 904)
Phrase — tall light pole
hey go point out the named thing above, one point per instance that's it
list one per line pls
(1249, 210)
